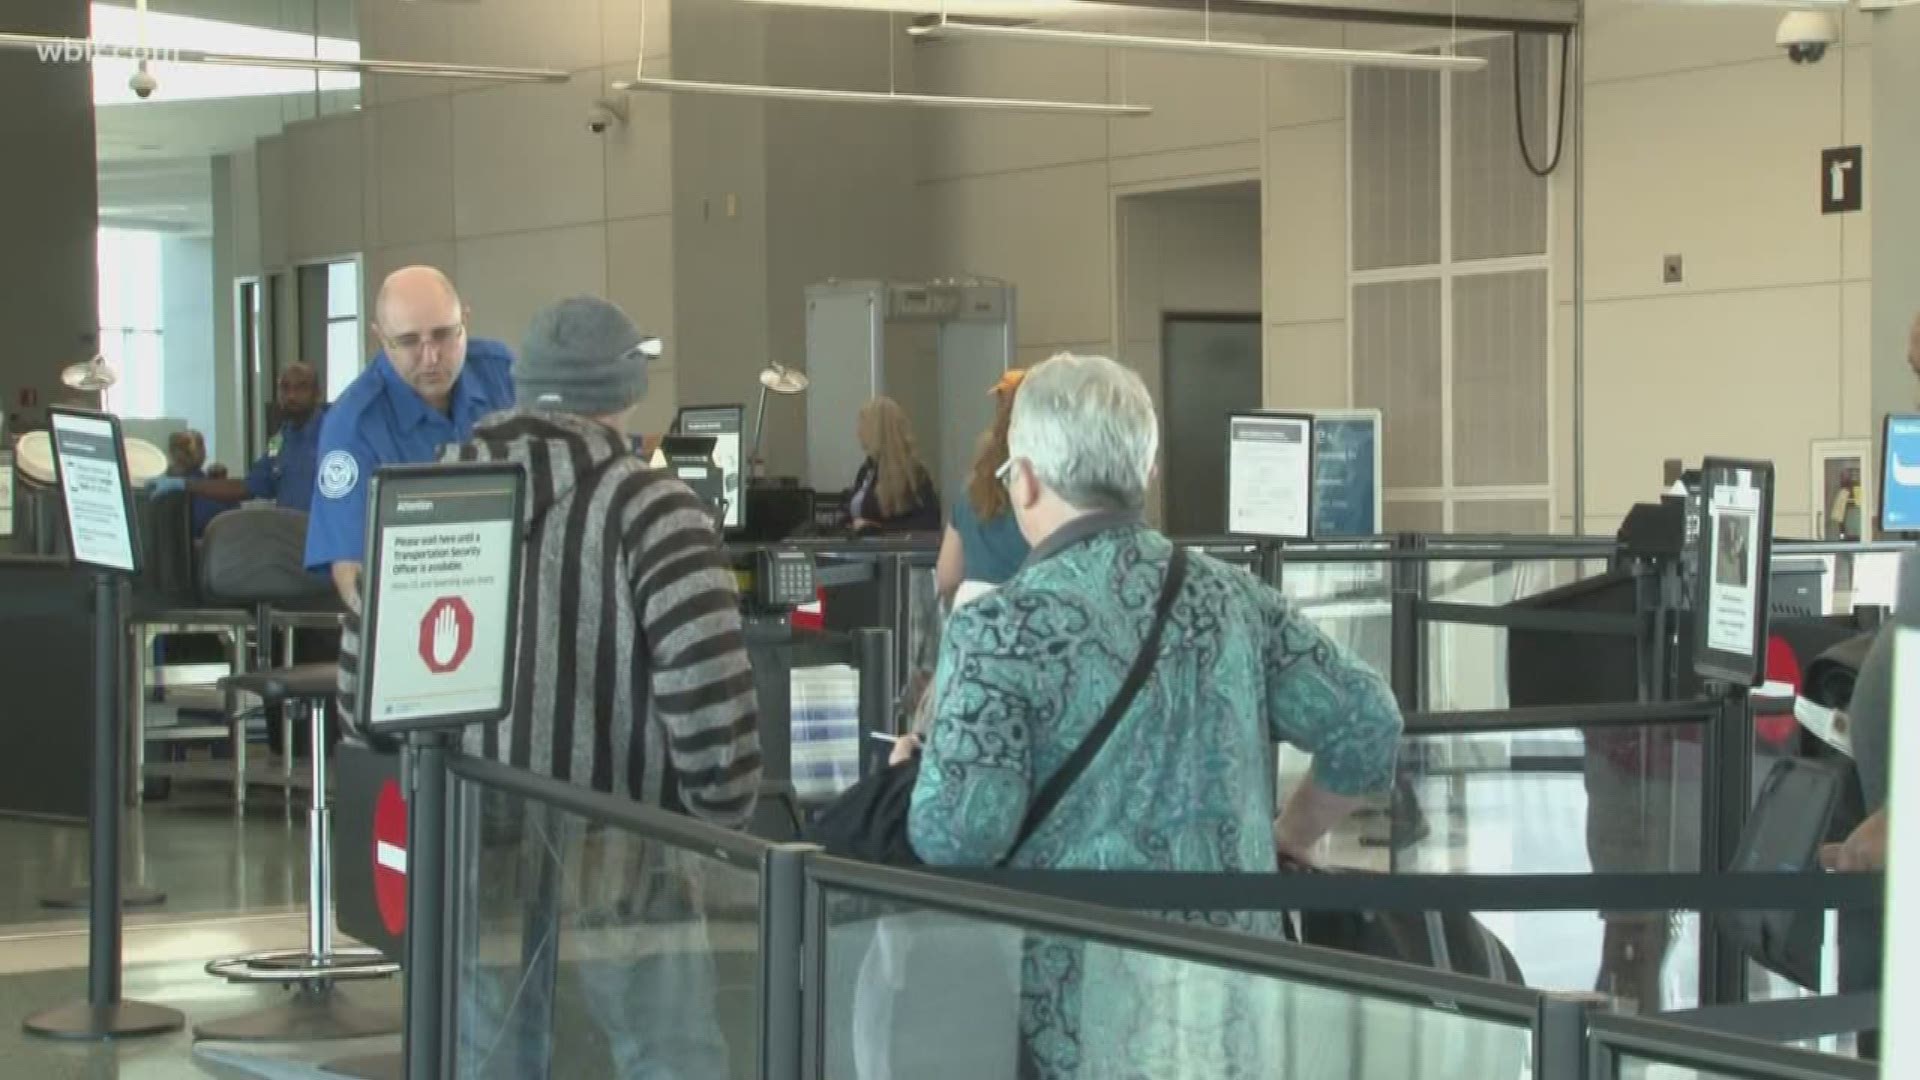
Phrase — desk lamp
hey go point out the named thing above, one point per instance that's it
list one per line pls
(779, 379)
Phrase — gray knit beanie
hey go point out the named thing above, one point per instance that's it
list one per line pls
(581, 356)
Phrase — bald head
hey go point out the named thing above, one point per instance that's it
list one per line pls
(423, 329)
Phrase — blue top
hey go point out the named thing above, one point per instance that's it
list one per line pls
(285, 473)
(380, 420)
(993, 550)
(201, 509)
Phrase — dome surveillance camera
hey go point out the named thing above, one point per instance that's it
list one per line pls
(1806, 34)
(143, 84)
(606, 113)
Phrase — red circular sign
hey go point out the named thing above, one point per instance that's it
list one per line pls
(446, 634)
(390, 857)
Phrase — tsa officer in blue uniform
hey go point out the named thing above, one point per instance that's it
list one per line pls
(285, 473)
(424, 391)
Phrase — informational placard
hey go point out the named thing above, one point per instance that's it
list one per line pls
(723, 424)
(1346, 473)
(1900, 473)
(1730, 624)
(90, 461)
(1270, 475)
(442, 595)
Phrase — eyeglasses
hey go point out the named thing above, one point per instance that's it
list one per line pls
(440, 336)
(1004, 474)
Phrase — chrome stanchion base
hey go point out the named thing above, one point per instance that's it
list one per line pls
(298, 966)
(120, 1020)
(75, 897)
(316, 1013)
(372, 1067)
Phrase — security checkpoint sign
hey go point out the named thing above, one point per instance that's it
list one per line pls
(442, 595)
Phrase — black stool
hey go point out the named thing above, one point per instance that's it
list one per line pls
(316, 1012)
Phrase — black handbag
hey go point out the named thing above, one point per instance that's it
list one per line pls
(869, 821)
(1447, 941)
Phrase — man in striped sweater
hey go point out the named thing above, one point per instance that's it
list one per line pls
(632, 679)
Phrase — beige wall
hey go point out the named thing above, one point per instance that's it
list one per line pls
(707, 217)
(1702, 140)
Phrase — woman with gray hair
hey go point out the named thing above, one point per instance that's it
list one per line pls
(1185, 780)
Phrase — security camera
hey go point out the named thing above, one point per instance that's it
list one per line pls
(143, 84)
(1806, 34)
(606, 112)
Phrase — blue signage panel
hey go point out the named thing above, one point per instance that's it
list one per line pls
(1346, 492)
(1900, 474)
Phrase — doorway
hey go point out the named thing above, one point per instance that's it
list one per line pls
(1210, 368)
(1190, 324)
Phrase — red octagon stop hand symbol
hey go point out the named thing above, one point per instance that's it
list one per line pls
(446, 634)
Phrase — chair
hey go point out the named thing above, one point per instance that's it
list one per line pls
(253, 560)
(167, 602)
(316, 1012)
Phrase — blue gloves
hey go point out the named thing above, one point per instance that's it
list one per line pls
(165, 485)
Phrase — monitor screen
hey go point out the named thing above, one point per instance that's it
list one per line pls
(724, 424)
(1900, 473)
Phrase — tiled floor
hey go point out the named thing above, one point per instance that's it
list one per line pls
(192, 847)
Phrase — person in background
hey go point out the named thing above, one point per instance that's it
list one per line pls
(425, 390)
(893, 492)
(1186, 781)
(285, 473)
(632, 680)
(186, 471)
(983, 547)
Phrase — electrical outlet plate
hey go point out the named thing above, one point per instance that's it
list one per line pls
(1673, 270)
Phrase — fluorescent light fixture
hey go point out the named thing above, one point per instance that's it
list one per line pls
(198, 59)
(60, 49)
(1251, 50)
(878, 97)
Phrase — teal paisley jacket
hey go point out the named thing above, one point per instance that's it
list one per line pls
(1186, 783)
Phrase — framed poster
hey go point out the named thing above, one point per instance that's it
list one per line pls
(1347, 466)
(1734, 553)
(442, 603)
(1270, 478)
(1842, 496)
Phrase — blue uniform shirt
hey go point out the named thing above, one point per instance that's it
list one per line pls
(285, 473)
(380, 420)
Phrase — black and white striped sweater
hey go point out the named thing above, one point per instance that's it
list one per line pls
(632, 675)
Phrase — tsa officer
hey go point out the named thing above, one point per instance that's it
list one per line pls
(285, 472)
(424, 391)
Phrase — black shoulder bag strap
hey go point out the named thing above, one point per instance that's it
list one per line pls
(1062, 780)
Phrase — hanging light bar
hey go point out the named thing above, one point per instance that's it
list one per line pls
(1251, 50)
(61, 48)
(877, 97)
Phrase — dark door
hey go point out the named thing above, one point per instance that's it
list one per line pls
(1210, 366)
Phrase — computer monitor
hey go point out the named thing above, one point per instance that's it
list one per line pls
(1900, 473)
(725, 424)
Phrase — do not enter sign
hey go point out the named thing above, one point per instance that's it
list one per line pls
(390, 858)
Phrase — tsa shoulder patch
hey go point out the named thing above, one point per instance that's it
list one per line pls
(339, 472)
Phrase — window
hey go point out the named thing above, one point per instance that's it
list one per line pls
(344, 355)
(130, 320)
(1450, 298)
